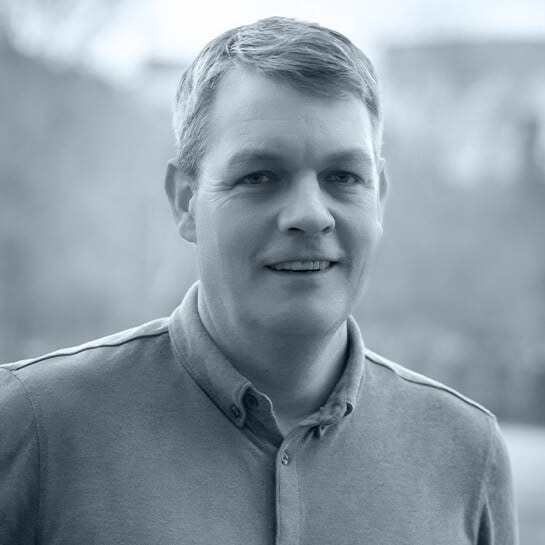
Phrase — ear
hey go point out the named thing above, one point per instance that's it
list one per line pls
(383, 188)
(180, 193)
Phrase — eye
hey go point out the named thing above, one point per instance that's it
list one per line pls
(257, 178)
(342, 178)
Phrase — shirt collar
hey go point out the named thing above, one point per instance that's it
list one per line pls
(226, 387)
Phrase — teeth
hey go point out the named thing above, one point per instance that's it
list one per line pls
(302, 266)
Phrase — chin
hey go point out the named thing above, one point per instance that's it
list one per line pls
(302, 321)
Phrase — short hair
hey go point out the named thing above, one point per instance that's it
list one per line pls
(307, 56)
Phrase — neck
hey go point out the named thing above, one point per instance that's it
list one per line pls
(297, 372)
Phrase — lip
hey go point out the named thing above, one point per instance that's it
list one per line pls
(293, 266)
(287, 259)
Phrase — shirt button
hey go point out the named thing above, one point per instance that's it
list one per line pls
(250, 400)
(285, 459)
(235, 411)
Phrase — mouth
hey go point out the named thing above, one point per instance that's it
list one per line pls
(302, 267)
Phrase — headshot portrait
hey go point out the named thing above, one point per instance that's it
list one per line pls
(243, 355)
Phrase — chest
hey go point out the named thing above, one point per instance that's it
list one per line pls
(224, 487)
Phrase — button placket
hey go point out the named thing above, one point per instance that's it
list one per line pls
(287, 492)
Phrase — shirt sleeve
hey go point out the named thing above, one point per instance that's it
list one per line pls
(498, 520)
(19, 463)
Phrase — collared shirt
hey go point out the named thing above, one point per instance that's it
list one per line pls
(151, 436)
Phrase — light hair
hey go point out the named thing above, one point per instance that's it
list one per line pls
(311, 58)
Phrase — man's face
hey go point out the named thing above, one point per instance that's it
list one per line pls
(288, 207)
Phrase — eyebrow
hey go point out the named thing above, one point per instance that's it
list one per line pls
(259, 154)
(351, 155)
(252, 154)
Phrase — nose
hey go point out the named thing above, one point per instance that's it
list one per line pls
(304, 209)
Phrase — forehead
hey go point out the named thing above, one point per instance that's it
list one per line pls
(251, 110)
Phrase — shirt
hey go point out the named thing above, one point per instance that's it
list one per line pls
(151, 436)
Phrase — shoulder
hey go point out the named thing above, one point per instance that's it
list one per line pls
(424, 407)
(423, 385)
(95, 356)
(456, 440)
(65, 390)
(427, 412)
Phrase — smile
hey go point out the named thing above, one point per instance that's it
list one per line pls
(302, 266)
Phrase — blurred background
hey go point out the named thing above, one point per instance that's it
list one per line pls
(457, 292)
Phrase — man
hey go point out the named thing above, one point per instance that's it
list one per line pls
(255, 414)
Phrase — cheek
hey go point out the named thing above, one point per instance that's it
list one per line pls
(224, 237)
(359, 227)
(359, 239)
